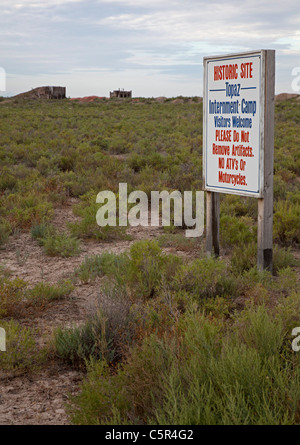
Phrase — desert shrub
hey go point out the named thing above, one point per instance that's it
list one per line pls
(61, 244)
(178, 242)
(43, 293)
(288, 310)
(25, 211)
(232, 205)
(40, 231)
(12, 297)
(236, 231)
(17, 299)
(286, 222)
(253, 276)
(259, 330)
(55, 243)
(146, 268)
(5, 231)
(93, 405)
(122, 318)
(286, 281)
(104, 264)
(76, 344)
(87, 227)
(22, 353)
(282, 258)
(142, 271)
(205, 278)
(204, 374)
(218, 307)
(243, 258)
(105, 335)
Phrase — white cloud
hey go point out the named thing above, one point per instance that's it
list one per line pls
(146, 42)
(19, 4)
(208, 24)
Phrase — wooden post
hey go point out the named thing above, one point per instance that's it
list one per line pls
(265, 204)
(212, 223)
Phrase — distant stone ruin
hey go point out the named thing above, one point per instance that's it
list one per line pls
(44, 93)
(120, 94)
(50, 92)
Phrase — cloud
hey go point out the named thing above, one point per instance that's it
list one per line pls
(111, 40)
(20, 4)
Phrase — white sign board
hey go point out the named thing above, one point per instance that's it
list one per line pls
(234, 124)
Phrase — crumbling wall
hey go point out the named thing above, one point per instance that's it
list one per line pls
(121, 94)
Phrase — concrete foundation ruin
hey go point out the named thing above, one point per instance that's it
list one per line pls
(120, 94)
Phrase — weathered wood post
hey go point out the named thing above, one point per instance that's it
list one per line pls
(212, 223)
(265, 204)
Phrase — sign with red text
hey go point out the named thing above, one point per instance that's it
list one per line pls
(233, 124)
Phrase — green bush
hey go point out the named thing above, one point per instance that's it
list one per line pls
(61, 244)
(178, 242)
(40, 231)
(22, 353)
(207, 373)
(76, 344)
(205, 278)
(243, 258)
(236, 231)
(282, 258)
(43, 293)
(105, 335)
(12, 297)
(286, 281)
(104, 264)
(87, 227)
(18, 300)
(146, 268)
(286, 222)
(5, 231)
(25, 211)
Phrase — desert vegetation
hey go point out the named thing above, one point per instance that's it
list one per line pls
(169, 336)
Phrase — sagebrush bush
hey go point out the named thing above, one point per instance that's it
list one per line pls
(12, 297)
(205, 278)
(243, 258)
(282, 258)
(105, 335)
(87, 227)
(146, 267)
(105, 264)
(61, 244)
(17, 299)
(286, 222)
(206, 373)
(149, 267)
(43, 293)
(236, 231)
(5, 231)
(22, 353)
(76, 344)
(40, 231)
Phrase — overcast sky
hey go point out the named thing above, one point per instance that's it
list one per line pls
(152, 47)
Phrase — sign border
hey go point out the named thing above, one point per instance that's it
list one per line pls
(206, 60)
